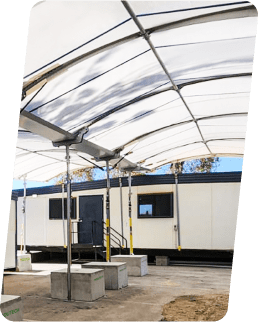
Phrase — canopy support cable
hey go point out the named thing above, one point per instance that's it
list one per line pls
(97, 166)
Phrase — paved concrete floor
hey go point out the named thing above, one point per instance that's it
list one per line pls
(142, 300)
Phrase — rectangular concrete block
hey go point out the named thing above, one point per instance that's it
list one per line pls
(137, 265)
(86, 284)
(116, 275)
(23, 263)
(12, 307)
(162, 260)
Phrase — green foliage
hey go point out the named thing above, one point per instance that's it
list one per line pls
(86, 174)
(89, 174)
(203, 165)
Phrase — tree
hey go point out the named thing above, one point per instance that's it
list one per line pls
(91, 174)
(203, 165)
(86, 174)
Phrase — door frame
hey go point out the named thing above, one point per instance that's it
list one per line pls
(101, 196)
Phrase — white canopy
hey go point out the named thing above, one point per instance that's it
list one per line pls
(156, 81)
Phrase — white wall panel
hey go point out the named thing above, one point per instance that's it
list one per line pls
(35, 220)
(195, 215)
(10, 244)
(225, 197)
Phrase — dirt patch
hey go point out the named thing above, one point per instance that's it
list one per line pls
(196, 308)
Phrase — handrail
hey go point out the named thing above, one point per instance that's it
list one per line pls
(115, 238)
(123, 238)
(112, 239)
(104, 229)
(115, 231)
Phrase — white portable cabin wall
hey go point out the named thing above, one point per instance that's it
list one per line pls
(10, 252)
(208, 214)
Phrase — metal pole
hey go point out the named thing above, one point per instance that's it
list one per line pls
(130, 212)
(24, 215)
(69, 255)
(108, 253)
(177, 212)
(63, 214)
(121, 209)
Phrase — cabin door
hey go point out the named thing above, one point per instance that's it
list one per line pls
(91, 216)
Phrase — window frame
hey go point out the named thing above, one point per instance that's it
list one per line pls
(73, 209)
(171, 215)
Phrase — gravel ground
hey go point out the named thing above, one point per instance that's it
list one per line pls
(144, 299)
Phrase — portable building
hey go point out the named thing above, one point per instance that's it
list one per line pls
(208, 212)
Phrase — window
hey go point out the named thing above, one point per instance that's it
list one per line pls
(155, 206)
(55, 208)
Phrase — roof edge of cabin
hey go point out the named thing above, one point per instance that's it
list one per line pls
(215, 177)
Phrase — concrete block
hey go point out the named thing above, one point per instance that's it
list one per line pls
(137, 265)
(162, 260)
(86, 284)
(12, 307)
(116, 275)
(23, 262)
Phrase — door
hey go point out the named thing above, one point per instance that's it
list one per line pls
(91, 216)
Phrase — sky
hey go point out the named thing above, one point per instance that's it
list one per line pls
(225, 165)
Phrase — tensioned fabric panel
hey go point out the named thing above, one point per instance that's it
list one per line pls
(170, 11)
(37, 157)
(77, 27)
(121, 92)
(103, 84)
(64, 26)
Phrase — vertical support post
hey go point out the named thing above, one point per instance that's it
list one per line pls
(63, 214)
(69, 254)
(130, 212)
(24, 215)
(121, 209)
(108, 253)
(2, 291)
(177, 212)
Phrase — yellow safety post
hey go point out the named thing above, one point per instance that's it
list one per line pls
(63, 215)
(121, 210)
(130, 212)
(108, 253)
(108, 240)
(177, 211)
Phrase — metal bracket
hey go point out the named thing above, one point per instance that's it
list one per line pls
(78, 137)
(145, 35)
(138, 168)
(108, 157)
(23, 96)
(111, 157)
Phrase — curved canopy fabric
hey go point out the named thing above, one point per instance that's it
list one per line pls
(157, 81)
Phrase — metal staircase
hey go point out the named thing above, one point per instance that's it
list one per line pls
(118, 244)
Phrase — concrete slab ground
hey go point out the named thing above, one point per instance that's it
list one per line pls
(142, 300)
